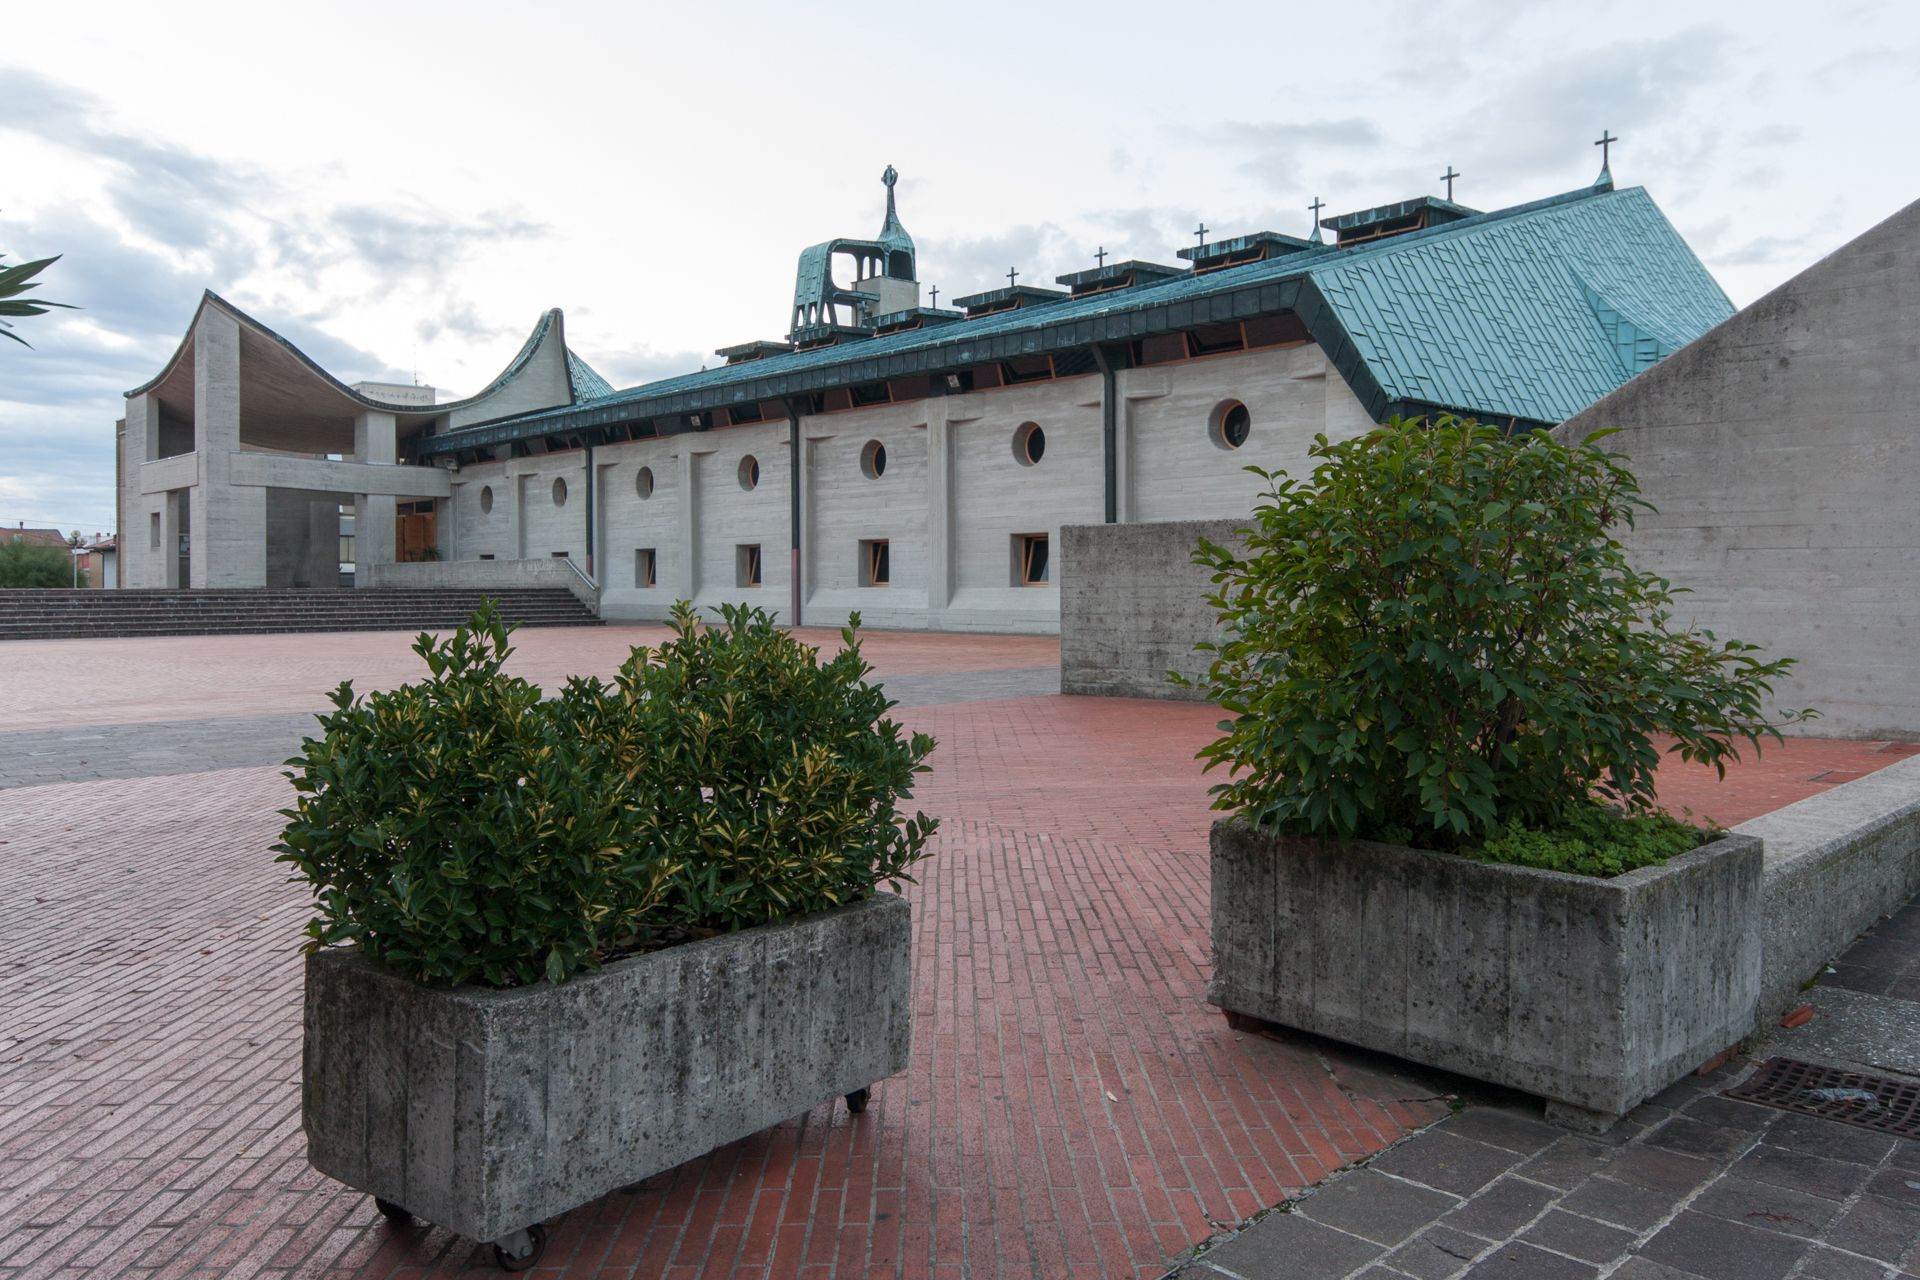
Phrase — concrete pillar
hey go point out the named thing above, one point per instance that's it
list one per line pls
(516, 512)
(166, 572)
(689, 524)
(809, 535)
(944, 413)
(228, 525)
(376, 439)
(1123, 443)
(140, 562)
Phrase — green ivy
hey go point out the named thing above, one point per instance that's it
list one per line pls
(1437, 634)
(466, 830)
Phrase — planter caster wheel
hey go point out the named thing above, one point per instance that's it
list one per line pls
(521, 1250)
(392, 1212)
(857, 1101)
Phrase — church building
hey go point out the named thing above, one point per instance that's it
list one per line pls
(909, 461)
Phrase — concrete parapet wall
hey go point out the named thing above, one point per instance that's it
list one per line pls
(1835, 863)
(1133, 606)
(480, 575)
(485, 1111)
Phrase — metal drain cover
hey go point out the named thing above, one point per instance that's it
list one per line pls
(1871, 1102)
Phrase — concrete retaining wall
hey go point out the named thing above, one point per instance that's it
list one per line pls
(485, 1111)
(1133, 606)
(1835, 863)
(1595, 994)
(480, 575)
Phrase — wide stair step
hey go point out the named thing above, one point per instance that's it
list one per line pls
(51, 614)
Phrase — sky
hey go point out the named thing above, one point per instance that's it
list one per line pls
(401, 188)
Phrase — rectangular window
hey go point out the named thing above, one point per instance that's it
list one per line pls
(644, 567)
(876, 563)
(746, 564)
(558, 555)
(153, 532)
(1030, 559)
(486, 555)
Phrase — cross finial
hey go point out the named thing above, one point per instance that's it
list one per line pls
(1013, 277)
(1200, 233)
(1316, 206)
(1100, 255)
(935, 290)
(1605, 144)
(1448, 178)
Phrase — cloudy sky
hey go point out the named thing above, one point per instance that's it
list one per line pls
(402, 187)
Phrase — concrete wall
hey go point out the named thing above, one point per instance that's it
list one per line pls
(303, 538)
(1783, 452)
(1133, 606)
(540, 384)
(480, 575)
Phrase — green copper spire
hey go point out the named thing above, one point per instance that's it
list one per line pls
(893, 235)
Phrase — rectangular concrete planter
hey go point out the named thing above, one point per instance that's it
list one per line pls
(488, 1111)
(1594, 994)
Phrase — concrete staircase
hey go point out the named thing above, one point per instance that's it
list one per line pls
(33, 614)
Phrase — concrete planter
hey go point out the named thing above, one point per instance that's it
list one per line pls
(488, 1111)
(1594, 994)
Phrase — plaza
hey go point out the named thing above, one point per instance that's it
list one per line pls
(1073, 1107)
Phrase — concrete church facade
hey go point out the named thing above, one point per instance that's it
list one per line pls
(917, 464)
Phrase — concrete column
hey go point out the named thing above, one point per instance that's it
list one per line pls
(139, 442)
(516, 512)
(689, 526)
(939, 510)
(1134, 385)
(376, 439)
(809, 536)
(165, 572)
(228, 524)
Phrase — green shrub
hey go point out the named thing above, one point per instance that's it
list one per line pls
(464, 829)
(35, 564)
(1437, 634)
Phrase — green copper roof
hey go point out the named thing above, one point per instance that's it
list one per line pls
(1530, 313)
(587, 385)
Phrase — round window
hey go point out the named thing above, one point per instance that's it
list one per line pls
(486, 499)
(873, 459)
(643, 482)
(749, 472)
(560, 492)
(1231, 425)
(1029, 443)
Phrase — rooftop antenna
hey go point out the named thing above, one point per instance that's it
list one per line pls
(1316, 206)
(1605, 143)
(1448, 178)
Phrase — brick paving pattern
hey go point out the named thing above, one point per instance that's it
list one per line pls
(1072, 1106)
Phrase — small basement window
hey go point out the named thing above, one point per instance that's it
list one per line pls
(876, 563)
(153, 532)
(749, 472)
(486, 555)
(873, 460)
(645, 567)
(746, 564)
(558, 555)
(1030, 567)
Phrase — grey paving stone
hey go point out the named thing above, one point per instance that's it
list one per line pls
(1902, 1185)
(1286, 1246)
(1906, 1155)
(1618, 1203)
(1693, 1137)
(1438, 1159)
(1722, 1250)
(1514, 1261)
(1436, 1253)
(1381, 1271)
(1569, 1162)
(1833, 1179)
(1660, 1170)
(1884, 1229)
(1761, 1204)
(1368, 1204)
(1733, 1114)
(1504, 1127)
(1501, 1209)
(1580, 1236)
(1647, 1269)
(1831, 1140)
(1830, 1264)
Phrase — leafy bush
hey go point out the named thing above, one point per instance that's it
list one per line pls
(35, 564)
(464, 829)
(1437, 634)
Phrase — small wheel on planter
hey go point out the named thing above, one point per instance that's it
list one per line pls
(392, 1212)
(857, 1100)
(536, 1244)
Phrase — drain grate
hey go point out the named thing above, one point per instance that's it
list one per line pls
(1871, 1102)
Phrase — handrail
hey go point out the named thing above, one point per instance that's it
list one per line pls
(581, 574)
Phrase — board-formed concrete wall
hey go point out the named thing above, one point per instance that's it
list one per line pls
(1783, 452)
(1133, 606)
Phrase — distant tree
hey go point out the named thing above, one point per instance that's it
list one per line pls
(34, 564)
(16, 281)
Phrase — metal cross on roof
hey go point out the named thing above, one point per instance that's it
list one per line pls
(1448, 178)
(1100, 255)
(935, 289)
(1606, 147)
(1317, 205)
(1200, 232)
(1013, 277)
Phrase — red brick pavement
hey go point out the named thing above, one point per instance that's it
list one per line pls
(1072, 1105)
